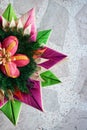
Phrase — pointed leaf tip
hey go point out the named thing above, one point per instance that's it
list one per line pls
(43, 36)
(49, 79)
(9, 13)
(12, 109)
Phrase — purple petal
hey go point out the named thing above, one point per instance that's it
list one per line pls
(1, 104)
(0, 21)
(52, 56)
(34, 98)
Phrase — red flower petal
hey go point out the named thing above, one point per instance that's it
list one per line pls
(10, 69)
(10, 44)
(18, 94)
(39, 52)
(20, 60)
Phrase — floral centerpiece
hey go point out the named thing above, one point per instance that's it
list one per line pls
(23, 55)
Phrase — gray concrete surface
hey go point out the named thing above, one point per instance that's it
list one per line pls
(65, 104)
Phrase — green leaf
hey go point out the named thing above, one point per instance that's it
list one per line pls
(43, 36)
(49, 78)
(11, 109)
(9, 13)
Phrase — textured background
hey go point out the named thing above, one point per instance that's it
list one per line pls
(65, 104)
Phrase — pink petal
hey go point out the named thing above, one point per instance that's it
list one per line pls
(20, 60)
(10, 44)
(33, 36)
(10, 69)
(29, 20)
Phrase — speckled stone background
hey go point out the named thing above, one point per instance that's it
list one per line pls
(65, 104)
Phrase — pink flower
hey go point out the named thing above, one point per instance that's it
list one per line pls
(8, 61)
(26, 21)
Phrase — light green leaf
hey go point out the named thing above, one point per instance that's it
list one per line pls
(12, 109)
(43, 36)
(9, 13)
(49, 79)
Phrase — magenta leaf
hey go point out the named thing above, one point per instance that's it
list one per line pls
(53, 58)
(34, 97)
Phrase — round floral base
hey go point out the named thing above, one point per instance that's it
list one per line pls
(25, 61)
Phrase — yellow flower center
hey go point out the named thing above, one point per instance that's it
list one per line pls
(4, 56)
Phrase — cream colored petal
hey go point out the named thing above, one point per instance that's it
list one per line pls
(2, 96)
(4, 22)
(24, 18)
(38, 69)
(0, 62)
(10, 95)
(19, 24)
(27, 30)
(36, 76)
(12, 23)
(38, 60)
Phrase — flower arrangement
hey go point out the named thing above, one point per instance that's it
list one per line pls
(23, 55)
